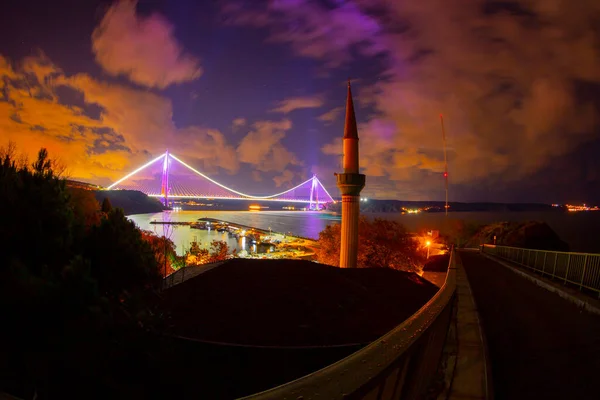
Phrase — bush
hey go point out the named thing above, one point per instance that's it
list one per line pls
(381, 243)
(67, 272)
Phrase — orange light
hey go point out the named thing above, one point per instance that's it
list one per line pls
(428, 243)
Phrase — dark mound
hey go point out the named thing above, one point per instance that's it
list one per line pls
(529, 235)
(438, 263)
(294, 303)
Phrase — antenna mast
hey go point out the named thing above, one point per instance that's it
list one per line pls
(445, 161)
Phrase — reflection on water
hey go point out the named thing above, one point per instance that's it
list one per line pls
(301, 223)
(580, 230)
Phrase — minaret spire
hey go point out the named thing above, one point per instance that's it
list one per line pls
(350, 184)
(350, 130)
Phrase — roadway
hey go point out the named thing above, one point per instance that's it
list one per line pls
(540, 345)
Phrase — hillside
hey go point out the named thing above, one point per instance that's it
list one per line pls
(529, 235)
(397, 206)
(131, 201)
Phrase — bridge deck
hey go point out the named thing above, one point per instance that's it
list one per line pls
(540, 345)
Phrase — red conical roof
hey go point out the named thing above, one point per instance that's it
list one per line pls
(350, 130)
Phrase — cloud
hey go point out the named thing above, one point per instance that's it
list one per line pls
(256, 176)
(312, 29)
(511, 106)
(286, 176)
(297, 103)
(130, 125)
(239, 123)
(262, 146)
(208, 145)
(330, 116)
(142, 48)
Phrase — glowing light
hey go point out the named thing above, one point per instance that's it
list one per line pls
(240, 193)
(428, 243)
(254, 207)
(315, 183)
(136, 171)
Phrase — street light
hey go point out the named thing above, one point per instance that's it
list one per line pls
(427, 244)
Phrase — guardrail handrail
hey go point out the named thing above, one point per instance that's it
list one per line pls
(550, 251)
(580, 269)
(400, 364)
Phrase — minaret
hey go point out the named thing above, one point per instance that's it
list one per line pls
(350, 184)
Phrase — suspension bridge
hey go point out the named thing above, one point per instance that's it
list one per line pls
(168, 177)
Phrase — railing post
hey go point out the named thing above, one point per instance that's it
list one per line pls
(554, 270)
(535, 261)
(544, 266)
(522, 256)
(567, 271)
(583, 273)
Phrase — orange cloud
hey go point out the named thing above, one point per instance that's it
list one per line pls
(142, 48)
(297, 103)
(262, 146)
(286, 177)
(330, 116)
(132, 125)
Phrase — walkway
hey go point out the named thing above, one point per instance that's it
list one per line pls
(540, 345)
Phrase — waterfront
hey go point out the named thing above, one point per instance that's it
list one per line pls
(580, 230)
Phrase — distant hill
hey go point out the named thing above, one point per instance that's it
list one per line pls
(528, 235)
(82, 185)
(131, 201)
(397, 206)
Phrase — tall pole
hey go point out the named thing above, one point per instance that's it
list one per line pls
(445, 161)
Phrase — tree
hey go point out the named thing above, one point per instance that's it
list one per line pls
(120, 259)
(60, 282)
(85, 207)
(164, 252)
(381, 243)
(34, 209)
(106, 206)
(218, 251)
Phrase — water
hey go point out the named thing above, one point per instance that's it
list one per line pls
(301, 223)
(580, 230)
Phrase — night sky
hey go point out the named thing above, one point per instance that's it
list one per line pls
(252, 92)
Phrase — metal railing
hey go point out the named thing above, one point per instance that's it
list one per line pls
(579, 269)
(400, 365)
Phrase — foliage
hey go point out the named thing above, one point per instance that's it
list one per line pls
(106, 205)
(66, 272)
(120, 259)
(85, 207)
(382, 243)
(461, 231)
(164, 252)
(219, 251)
(35, 211)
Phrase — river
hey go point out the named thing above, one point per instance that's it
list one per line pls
(579, 229)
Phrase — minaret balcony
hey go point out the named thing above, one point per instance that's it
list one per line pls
(350, 184)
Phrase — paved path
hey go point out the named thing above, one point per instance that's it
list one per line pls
(540, 345)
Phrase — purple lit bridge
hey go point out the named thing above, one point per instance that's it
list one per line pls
(168, 177)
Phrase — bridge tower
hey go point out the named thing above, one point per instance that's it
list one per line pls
(314, 194)
(350, 183)
(164, 188)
